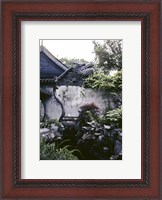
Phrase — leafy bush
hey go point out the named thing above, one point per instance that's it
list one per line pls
(93, 140)
(52, 152)
(114, 117)
(93, 137)
(87, 113)
(103, 81)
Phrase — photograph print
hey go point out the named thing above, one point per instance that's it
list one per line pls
(81, 99)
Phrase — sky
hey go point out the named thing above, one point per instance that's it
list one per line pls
(71, 49)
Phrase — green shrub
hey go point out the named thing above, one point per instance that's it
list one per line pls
(114, 117)
(52, 152)
(103, 81)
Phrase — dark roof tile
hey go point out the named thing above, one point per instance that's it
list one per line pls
(50, 66)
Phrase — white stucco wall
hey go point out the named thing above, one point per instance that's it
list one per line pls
(74, 97)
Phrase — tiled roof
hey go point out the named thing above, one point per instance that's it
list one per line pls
(47, 80)
(50, 66)
(54, 71)
(76, 75)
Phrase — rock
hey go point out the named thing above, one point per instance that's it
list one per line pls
(99, 133)
(118, 147)
(54, 127)
(100, 138)
(44, 131)
(107, 127)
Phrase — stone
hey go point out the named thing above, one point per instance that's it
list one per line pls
(44, 131)
(118, 147)
(54, 127)
(107, 127)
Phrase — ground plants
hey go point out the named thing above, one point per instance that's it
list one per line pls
(50, 151)
(99, 136)
(93, 137)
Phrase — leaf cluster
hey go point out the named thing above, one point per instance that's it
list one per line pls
(49, 151)
(114, 117)
(100, 137)
(103, 81)
(70, 62)
(108, 55)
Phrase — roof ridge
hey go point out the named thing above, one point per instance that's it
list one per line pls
(64, 73)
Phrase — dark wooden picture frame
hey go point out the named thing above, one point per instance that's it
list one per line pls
(12, 15)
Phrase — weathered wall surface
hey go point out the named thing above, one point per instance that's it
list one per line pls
(73, 97)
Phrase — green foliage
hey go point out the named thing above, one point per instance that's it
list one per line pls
(71, 62)
(108, 55)
(114, 117)
(117, 80)
(100, 138)
(103, 81)
(91, 130)
(52, 152)
(88, 112)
